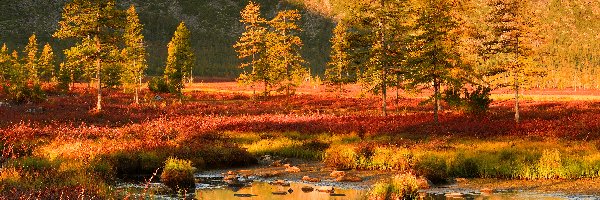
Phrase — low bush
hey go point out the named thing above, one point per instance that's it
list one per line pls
(403, 186)
(178, 174)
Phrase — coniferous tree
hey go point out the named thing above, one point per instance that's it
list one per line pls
(283, 50)
(31, 60)
(380, 43)
(510, 44)
(134, 53)
(180, 59)
(251, 46)
(339, 71)
(5, 65)
(434, 59)
(98, 21)
(46, 64)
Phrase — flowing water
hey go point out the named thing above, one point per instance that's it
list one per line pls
(213, 187)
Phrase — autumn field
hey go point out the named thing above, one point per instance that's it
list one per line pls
(60, 147)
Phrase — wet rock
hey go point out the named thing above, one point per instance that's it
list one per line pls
(337, 195)
(307, 189)
(326, 189)
(277, 163)
(245, 172)
(290, 190)
(423, 183)
(279, 193)
(336, 174)
(486, 191)
(270, 174)
(280, 182)
(349, 178)
(454, 195)
(230, 177)
(244, 195)
(309, 179)
(293, 169)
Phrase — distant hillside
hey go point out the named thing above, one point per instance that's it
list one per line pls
(571, 31)
(214, 24)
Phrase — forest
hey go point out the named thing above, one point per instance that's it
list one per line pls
(333, 99)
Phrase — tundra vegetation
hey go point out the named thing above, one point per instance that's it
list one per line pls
(501, 89)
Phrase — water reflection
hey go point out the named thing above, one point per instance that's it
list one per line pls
(266, 191)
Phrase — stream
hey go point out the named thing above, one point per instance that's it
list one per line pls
(213, 187)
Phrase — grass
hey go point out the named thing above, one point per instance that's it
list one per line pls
(402, 186)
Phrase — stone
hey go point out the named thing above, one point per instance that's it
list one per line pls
(309, 179)
(276, 163)
(244, 195)
(292, 169)
(279, 193)
(423, 183)
(336, 174)
(287, 166)
(454, 195)
(326, 189)
(280, 182)
(486, 191)
(307, 189)
(230, 177)
(270, 174)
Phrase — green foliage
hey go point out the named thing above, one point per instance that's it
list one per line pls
(16, 79)
(178, 174)
(92, 22)
(134, 54)
(158, 85)
(339, 70)
(404, 186)
(272, 48)
(46, 64)
(180, 60)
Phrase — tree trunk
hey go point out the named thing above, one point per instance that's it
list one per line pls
(98, 77)
(516, 74)
(383, 65)
(436, 107)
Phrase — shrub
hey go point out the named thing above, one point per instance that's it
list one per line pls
(178, 174)
(478, 101)
(341, 157)
(550, 165)
(158, 85)
(403, 186)
(433, 168)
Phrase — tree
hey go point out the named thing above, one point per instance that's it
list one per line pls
(251, 46)
(180, 59)
(46, 64)
(339, 71)
(510, 43)
(31, 60)
(99, 21)
(380, 43)
(283, 50)
(134, 52)
(434, 60)
(5, 65)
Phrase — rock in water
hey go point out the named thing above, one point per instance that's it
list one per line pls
(336, 174)
(293, 169)
(309, 179)
(326, 189)
(279, 193)
(307, 189)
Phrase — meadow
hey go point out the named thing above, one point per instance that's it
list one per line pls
(60, 148)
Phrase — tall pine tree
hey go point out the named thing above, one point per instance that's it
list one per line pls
(434, 60)
(251, 46)
(99, 21)
(283, 50)
(46, 64)
(180, 59)
(510, 44)
(134, 53)
(31, 60)
(339, 71)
